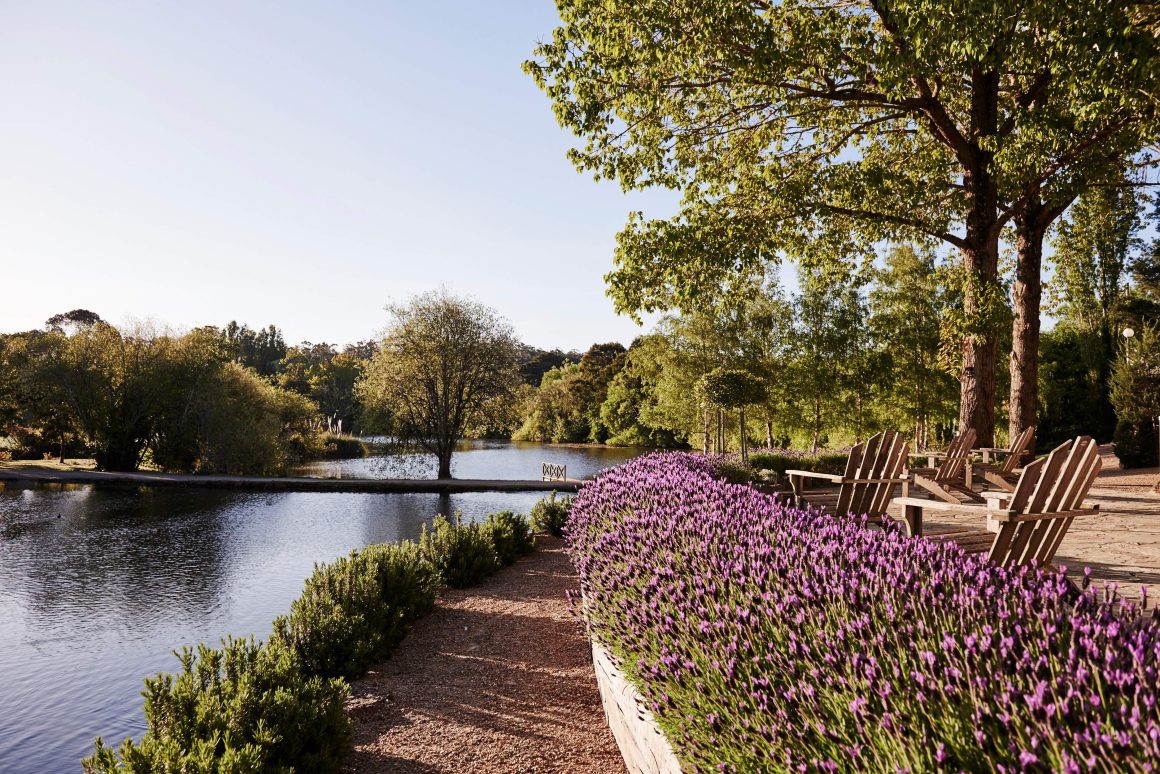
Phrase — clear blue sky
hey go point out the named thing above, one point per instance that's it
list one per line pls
(299, 163)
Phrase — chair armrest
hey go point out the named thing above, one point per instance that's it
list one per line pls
(1004, 516)
(939, 505)
(876, 480)
(811, 474)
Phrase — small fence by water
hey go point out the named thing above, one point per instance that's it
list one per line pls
(553, 472)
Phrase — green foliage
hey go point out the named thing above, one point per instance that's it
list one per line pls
(734, 471)
(828, 377)
(1070, 402)
(733, 388)
(1135, 380)
(342, 447)
(354, 611)
(1093, 246)
(550, 515)
(261, 350)
(567, 407)
(833, 463)
(242, 708)
(445, 363)
(462, 554)
(633, 410)
(1136, 444)
(907, 306)
(510, 535)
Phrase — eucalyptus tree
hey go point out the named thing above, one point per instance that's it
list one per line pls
(811, 127)
(445, 361)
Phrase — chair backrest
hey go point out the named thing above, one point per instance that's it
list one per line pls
(1020, 446)
(958, 457)
(871, 467)
(1057, 484)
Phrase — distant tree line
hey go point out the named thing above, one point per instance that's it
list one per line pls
(223, 400)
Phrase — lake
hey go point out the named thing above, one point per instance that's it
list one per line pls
(99, 586)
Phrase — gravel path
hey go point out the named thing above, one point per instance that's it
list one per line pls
(498, 679)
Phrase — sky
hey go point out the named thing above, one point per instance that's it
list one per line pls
(301, 164)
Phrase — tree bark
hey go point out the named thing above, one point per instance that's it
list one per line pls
(744, 440)
(769, 434)
(980, 262)
(445, 464)
(1030, 227)
(708, 427)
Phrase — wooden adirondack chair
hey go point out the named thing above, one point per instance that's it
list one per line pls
(873, 471)
(1006, 474)
(1025, 526)
(952, 480)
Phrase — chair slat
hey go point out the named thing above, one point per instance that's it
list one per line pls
(1055, 467)
(1025, 487)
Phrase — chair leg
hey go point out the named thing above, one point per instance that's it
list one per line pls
(913, 516)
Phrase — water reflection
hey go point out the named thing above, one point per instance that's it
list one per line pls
(98, 587)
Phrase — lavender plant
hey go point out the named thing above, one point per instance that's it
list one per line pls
(770, 638)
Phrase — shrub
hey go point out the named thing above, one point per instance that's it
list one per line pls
(770, 638)
(733, 471)
(342, 447)
(510, 535)
(354, 611)
(780, 460)
(550, 515)
(241, 708)
(461, 553)
(1136, 444)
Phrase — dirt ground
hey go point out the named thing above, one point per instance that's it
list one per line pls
(498, 679)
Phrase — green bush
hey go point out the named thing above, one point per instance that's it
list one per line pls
(733, 471)
(510, 535)
(461, 553)
(550, 515)
(833, 463)
(245, 707)
(1136, 444)
(354, 611)
(342, 447)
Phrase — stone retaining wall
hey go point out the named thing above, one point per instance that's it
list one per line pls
(644, 747)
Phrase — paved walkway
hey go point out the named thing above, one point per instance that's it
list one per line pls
(27, 474)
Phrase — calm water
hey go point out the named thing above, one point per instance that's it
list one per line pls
(477, 459)
(98, 587)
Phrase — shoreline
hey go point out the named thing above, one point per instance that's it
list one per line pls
(35, 476)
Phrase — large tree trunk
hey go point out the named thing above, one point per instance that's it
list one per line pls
(981, 264)
(1029, 228)
(769, 434)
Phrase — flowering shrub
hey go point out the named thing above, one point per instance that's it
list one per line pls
(770, 638)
